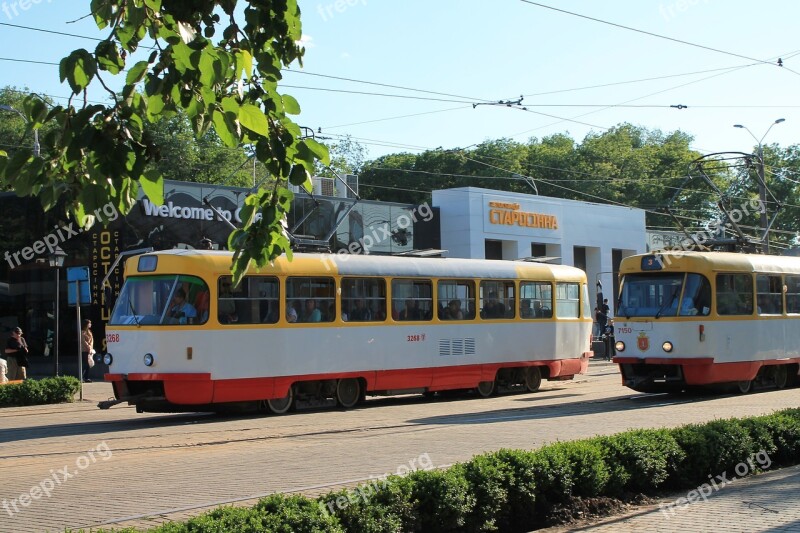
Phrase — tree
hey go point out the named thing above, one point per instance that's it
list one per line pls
(101, 154)
(13, 134)
(182, 156)
(347, 157)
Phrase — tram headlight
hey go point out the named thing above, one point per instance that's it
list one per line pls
(667, 346)
(149, 359)
(620, 346)
(108, 359)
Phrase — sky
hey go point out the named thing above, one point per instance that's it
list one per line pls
(440, 57)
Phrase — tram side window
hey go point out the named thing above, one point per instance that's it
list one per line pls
(363, 299)
(313, 299)
(254, 301)
(793, 294)
(696, 296)
(456, 299)
(497, 299)
(769, 295)
(734, 294)
(567, 300)
(535, 299)
(412, 299)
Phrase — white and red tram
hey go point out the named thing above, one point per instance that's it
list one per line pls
(325, 328)
(699, 319)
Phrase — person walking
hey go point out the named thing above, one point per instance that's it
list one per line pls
(600, 319)
(608, 339)
(87, 348)
(17, 356)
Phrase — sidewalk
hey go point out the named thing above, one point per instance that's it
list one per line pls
(768, 502)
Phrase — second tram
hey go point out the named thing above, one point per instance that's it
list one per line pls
(688, 319)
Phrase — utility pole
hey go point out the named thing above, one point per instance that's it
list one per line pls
(762, 184)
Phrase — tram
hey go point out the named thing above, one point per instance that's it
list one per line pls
(715, 320)
(332, 329)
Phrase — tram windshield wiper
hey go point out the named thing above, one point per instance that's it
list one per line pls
(667, 305)
(130, 304)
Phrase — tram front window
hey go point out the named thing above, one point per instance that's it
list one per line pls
(164, 300)
(650, 295)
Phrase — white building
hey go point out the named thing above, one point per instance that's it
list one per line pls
(486, 224)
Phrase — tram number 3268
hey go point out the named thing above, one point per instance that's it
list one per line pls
(415, 338)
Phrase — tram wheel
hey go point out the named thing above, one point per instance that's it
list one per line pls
(533, 378)
(781, 377)
(281, 406)
(744, 386)
(486, 388)
(348, 392)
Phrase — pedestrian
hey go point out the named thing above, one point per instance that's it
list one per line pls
(17, 355)
(601, 320)
(608, 338)
(87, 348)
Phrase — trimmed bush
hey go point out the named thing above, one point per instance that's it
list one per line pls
(489, 478)
(274, 514)
(711, 449)
(641, 460)
(442, 499)
(522, 515)
(383, 506)
(590, 472)
(39, 392)
(553, 473)
(784, 428)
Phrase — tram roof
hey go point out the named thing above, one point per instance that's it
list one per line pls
(717, 261)
(366, 265)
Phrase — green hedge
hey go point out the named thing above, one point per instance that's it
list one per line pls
(513, 490)
(38, 392)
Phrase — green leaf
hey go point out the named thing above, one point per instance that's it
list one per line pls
(155, 5)
(78, 69)
(244, 64)
(15, 164)
(93, 196)
(136, 73)
(79, 212)
(155, 105)
(152, 185)
(254, 119)
(319, 150)
(225, 128)
(184, 57)
(108, 57)
(299, 175)
(290, 105)
(210, 67)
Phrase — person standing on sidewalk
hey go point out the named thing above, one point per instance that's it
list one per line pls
(17, 355)
(87, 348)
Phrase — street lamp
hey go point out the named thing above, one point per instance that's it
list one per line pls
(56, 260)
(762, 185)
(36, 147)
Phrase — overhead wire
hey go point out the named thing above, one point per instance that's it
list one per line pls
(652, 34)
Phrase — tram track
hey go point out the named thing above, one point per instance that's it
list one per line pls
(432, 423)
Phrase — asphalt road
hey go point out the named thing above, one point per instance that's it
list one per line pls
(77, 466)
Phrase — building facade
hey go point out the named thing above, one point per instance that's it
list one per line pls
(487, 224)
